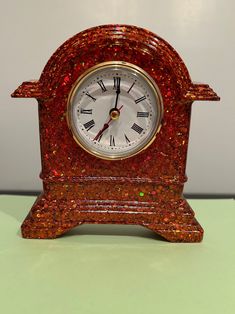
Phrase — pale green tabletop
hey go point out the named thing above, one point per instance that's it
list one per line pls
(118, 269)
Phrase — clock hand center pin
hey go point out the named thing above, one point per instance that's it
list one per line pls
(114, 115)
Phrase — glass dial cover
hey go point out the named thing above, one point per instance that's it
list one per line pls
(114, 110)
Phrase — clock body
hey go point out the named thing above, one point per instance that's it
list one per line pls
(132, 171)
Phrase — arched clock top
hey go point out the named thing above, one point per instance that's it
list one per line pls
(115, 42)
(120, 43)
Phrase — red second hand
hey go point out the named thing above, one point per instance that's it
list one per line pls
(106, 125)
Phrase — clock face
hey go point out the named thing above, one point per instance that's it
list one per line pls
(114, 110)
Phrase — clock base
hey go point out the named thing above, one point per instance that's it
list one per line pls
(173, 220)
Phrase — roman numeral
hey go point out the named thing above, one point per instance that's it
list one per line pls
(140, 99)
(117, 82)
(112, 140)
(89, 95)
(88, 125)
(137, 128)
(127, 139)
(103, 88)
(142, 114)
(130, 88)
(86, 111)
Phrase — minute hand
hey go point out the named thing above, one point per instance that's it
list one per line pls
(117, 95)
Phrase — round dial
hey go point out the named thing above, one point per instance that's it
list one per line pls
(114, 110)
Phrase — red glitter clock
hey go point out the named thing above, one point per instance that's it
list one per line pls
(114, 113)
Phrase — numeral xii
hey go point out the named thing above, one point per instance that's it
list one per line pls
(116, 82)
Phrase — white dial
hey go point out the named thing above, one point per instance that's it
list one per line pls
(114, 110)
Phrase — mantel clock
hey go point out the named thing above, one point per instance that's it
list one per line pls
(114, 114)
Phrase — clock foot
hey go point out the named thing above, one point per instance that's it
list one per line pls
(192, 232)
(31, 230)
(45, 220)
(183, 228)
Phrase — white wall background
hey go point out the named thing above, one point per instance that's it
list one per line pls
(203, 33)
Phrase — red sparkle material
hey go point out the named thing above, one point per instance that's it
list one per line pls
(80, 188)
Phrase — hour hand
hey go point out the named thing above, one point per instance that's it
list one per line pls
(106, 125)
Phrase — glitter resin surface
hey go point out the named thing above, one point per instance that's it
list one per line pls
(145, 189)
